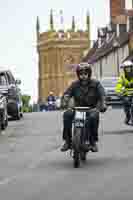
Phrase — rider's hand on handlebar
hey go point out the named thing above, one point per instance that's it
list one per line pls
(103, 108)
(130, 85)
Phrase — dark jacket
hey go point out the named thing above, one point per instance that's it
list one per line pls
(90, 95)
(51, 98)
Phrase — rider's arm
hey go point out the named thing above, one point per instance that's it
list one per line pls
(101, 105)
(119, 85)
(67, 96)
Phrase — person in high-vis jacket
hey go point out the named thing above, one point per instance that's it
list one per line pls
(124, 87)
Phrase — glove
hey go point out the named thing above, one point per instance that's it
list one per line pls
(130, 85)
(103, 109)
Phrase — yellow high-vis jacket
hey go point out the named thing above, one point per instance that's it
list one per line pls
(123, 86)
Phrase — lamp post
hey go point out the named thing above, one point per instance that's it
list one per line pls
(116, 45)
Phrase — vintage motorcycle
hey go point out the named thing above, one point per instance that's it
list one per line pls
(80, 144)
(130, 100)
(51, 106)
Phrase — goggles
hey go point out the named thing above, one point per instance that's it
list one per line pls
(83, 72)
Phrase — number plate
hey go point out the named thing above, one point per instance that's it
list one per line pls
(80, 115)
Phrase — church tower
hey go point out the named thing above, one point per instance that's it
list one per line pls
(57, 50)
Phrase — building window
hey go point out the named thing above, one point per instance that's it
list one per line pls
(122, 28)
(131, 23)
(129, 4)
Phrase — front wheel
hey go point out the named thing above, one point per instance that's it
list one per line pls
(76, 143)
(131, 112)
(83, 155)
(76, 159)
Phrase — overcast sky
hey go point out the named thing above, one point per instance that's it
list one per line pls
(18, 34)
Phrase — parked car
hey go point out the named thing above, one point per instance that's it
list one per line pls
(3, 112)
(109, 84)
(9, 88)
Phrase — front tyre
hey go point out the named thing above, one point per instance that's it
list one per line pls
(76, 143)
(76, 159)
(132, 114)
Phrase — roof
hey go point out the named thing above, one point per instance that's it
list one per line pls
(107, 47)
(90, 52)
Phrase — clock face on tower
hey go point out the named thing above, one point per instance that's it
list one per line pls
(68, 59)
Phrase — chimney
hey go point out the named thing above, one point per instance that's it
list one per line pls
(99, 38)
(117, 30)
(108, 32)
(99, 42)
(107, 36)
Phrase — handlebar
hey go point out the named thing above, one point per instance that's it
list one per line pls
(86, 108)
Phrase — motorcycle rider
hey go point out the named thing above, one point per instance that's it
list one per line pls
(124, 87)
(51, 100)
(85, 92)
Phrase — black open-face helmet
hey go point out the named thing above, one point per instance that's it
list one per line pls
(84, 68)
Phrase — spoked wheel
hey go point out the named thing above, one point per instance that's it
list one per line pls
(76, 147)
(76, 159)
(131, 113)
(132, 117)
(83, 156)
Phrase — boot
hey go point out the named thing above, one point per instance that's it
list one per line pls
(66, 146)
(127, 119)
(94, 147)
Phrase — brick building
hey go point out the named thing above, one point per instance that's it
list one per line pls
(119, 10)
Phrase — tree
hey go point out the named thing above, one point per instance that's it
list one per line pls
(26, 100)
(26, 104)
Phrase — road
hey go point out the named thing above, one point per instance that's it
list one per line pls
(32, 166)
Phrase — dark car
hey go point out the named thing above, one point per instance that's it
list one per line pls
(9, 88)
(109, 84)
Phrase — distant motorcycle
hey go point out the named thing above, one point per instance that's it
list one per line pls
(130, 100)
(51, 105)
(80, 143)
